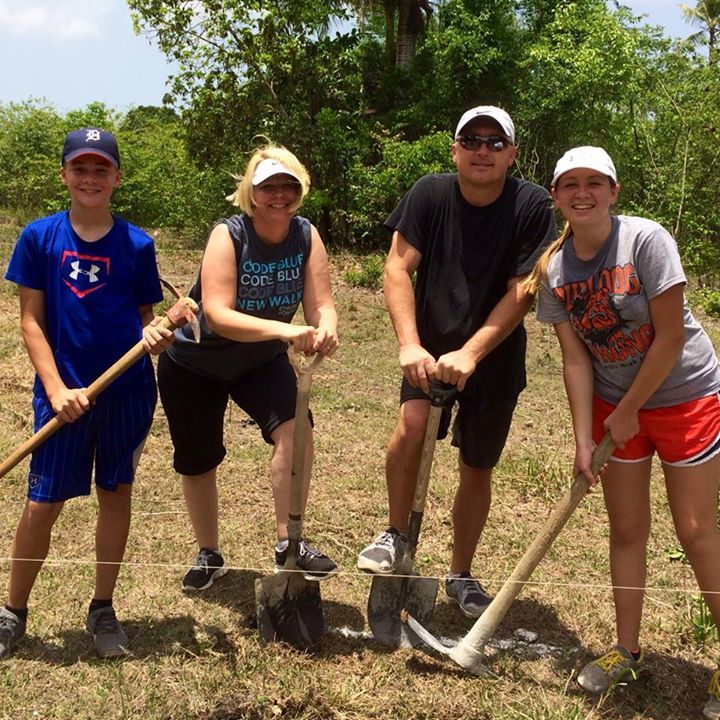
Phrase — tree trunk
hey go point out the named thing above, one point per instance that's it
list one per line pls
(410, 24)
(390, 13)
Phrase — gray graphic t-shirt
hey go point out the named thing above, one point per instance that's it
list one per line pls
(270, 283)
(606, 301)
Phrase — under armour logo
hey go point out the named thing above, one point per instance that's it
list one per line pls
(92, 135)
(92, 273)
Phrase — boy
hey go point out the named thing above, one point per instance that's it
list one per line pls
(87, 282)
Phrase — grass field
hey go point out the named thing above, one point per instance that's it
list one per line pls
(198, 657)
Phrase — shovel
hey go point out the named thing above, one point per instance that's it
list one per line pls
(288, 606)
(468, 653)
(181, 313)
(407, 592)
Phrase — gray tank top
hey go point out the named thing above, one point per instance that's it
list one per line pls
(270, 285)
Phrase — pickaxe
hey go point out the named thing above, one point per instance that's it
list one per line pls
(183, 312)
(468, 653)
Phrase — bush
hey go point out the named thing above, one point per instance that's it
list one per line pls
(369, 274)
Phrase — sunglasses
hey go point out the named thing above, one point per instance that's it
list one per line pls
(494, 143)
(271, 188)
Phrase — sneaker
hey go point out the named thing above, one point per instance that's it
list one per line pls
(468, 593)
(12, 630)
(209, 567)
(615, 666)
(384, 554)
(317, 565)
(712, 706)
(109, 637)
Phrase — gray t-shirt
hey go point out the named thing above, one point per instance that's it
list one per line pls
(606, 301)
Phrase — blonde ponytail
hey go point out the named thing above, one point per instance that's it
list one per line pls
(531, 284)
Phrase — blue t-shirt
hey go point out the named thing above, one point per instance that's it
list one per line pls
(92, 294)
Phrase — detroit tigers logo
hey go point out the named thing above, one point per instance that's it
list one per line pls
(84, 274)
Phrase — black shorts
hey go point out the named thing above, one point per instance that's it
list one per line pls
(195, 408)
(480, 429)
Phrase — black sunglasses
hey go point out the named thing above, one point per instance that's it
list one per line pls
(494, 143)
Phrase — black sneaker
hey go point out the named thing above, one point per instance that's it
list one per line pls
(209, 567)
(317, 565)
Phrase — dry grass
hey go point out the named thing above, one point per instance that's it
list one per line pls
(199, 657)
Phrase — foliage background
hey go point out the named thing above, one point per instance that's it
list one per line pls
(367, 93)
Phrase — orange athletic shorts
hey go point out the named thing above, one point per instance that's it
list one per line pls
(684, 435)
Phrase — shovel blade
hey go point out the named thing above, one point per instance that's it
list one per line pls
(391, 597)
(289, 608)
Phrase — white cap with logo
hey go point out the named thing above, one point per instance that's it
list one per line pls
(268, 167)
(585, 156)
(494, 113)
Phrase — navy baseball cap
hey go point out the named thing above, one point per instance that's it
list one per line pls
(91, 141)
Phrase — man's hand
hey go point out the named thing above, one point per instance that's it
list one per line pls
(69, 404)
(454, 368)
(418, 366)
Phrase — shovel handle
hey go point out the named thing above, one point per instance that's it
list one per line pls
(440, 393)
(302, 404)
(175, 317)
(487, 623)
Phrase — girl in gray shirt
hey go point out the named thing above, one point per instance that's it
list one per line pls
(637, 365)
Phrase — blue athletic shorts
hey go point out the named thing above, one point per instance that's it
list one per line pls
(195, 408)
(109, 436)
(479, 431)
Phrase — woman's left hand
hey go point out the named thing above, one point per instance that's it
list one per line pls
(326, 341)
(157, 339)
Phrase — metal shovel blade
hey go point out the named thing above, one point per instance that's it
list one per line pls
(289, 608)
(389, 597)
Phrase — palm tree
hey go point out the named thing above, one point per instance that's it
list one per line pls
(706, 15)
(404, 23)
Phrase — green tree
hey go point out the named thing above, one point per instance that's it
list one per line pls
(31, 136)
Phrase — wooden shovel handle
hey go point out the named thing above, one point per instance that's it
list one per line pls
(487, 623)
(440, 393)
(170, 321)
(302, 404)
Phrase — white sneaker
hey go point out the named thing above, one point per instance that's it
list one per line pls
(384, 554)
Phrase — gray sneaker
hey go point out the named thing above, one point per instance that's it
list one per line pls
(109, 637)
(616, 666)
(468, 593)
(12, 630)
(384, 554)
(712, 707)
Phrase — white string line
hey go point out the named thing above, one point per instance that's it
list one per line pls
(367, 576)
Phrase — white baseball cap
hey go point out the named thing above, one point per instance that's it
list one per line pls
(494, 113)
(268, 167)
(585, 156)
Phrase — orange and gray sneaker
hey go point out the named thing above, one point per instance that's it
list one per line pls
(604, 673)
(712, 706)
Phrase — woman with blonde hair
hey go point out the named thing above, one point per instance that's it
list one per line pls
(638, 365)
(258, 267)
